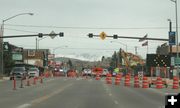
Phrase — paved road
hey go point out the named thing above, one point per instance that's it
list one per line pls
(80, 93)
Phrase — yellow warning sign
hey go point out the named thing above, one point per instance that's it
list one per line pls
(102, 35)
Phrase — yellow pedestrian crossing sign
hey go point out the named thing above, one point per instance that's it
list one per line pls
(102, 35)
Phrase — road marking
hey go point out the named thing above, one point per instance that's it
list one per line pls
(24, 106)
(116, 102)
(157, 91)
(43, 98)
(65, 79)
(110, 94)
(50, 80)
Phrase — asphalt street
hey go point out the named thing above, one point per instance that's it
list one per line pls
(80, 93)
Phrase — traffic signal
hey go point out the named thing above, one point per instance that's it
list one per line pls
(61, 34)
(115, 36)
(90, 35)
(40, 35)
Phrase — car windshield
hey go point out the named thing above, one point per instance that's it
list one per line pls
(18, 69)
(33, 69)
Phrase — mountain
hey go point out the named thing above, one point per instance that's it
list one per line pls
(83, 57)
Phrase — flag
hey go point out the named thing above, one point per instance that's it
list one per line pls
(145, 43)
(144, 38)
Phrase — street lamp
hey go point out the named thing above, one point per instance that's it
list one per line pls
(58, 48)
(121, 44)
(1, 39)
(175, 1)
(37, 42)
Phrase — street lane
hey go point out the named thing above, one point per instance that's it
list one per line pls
(15, 98)
(81, 93)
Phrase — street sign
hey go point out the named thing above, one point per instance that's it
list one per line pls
(102, 35)
(172, 61)
(52, 35)
(172, 38)
(140, 75)
(177, 61)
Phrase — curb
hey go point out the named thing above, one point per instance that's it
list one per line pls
(4, 79)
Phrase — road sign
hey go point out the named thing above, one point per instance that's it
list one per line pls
(172, 61)
(172, 38)
(52, 35)
(102, 35)
(177, 61)
(140, 75)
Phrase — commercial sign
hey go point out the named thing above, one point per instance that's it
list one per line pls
(172, 38)
(17, 56)
(51, 56)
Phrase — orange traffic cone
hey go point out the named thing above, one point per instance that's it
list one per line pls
(159, 83)
(175, 83)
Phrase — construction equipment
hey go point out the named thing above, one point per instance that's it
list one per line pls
(131, 59)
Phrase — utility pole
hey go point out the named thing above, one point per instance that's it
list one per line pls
(136, 50)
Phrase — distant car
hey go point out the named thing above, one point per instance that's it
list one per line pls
(33, 72)
(62, 72)
(18, 72)
(59, 72)
(105, 72)
(87, 72)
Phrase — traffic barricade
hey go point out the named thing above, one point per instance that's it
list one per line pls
(159, 83)
(136, 82)
(145, 83)
(175, 83)
(127, 81)
(98, 76)
(117, 79)
(108, 78)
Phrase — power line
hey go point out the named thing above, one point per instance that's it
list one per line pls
(76, 27)
(20, 30)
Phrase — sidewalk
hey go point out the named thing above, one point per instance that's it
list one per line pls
(4, 79)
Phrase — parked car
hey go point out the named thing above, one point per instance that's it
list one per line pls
(18, 72)
(33, 72)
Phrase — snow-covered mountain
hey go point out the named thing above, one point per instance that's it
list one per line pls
(84, 56)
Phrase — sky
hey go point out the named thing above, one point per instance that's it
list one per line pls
(77, 18)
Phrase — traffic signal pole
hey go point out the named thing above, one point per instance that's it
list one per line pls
(40, 35)
(128, 37)
(170, 48)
